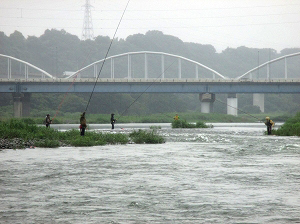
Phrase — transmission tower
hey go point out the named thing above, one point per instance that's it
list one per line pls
(87, 29)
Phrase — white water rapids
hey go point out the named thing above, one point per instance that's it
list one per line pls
(227, 174)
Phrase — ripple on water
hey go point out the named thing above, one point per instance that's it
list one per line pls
(198, 176)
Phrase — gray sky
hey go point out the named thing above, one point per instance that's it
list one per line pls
(221, 23)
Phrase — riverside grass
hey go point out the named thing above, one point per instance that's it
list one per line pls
(290, 128)
(51, 138)
(38, 117)
(185, 124)
(141, 137)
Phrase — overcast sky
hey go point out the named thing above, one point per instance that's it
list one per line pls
(221, 23)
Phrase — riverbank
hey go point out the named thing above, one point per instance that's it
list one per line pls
(191, 117)
(18, 134)
(290, 128)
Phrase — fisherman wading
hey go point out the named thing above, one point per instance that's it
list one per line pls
(269, 123)
(112, 121)
(82, 124)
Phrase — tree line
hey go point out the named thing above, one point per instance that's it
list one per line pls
(57, 51)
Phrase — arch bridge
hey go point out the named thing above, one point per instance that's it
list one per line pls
(267, 64)
(27, 65)
(170, 76)
(175, 59)
(258, 98)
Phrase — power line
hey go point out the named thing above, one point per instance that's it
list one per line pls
(155, 18)
(149, 10)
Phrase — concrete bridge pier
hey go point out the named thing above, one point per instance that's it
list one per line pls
(232, 104)
(207, 100)
(21, 104)
(17, 99)
(259, 100)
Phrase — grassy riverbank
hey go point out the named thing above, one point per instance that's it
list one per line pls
(19, 134)
(191, 117)
(185, 124)
(290, 128)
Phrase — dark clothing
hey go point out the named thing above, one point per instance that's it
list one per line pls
(48, 121)
(82, 131)
(82, 124)
(112, 121)
(269, 129)
(269, 123)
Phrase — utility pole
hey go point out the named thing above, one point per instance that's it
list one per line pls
(258, 65)
(87, 29)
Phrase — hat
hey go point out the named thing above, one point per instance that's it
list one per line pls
(267, 118)
(48, 114)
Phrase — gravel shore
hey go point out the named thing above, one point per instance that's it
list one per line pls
(18, 143)
(15, 143)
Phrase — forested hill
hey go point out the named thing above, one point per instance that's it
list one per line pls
(58, 51)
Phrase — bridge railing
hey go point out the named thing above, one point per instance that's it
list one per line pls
(25, 73)
(249, 75)
(164, 67)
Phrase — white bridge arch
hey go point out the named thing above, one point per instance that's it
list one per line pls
(163, 69)
(268, 66)
(9, 76)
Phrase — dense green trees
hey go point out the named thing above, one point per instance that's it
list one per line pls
(57, 51)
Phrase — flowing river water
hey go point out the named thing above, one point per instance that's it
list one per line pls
(231, 173)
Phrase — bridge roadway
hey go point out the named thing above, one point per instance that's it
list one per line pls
(133, 85)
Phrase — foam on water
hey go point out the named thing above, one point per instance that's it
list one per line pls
(219, 175)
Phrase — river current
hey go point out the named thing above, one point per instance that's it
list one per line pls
(231, 173)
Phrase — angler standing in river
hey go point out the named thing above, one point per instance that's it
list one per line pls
(269, 123)
(82, 124)
(48, 121)
(112, 121)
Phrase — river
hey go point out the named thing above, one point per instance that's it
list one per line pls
(231, 173)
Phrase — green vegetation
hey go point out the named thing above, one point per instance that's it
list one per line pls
(290, 128)
(57, 51)
(185, 124)
(30, 135)
(154, 127)
(73, 118)
(141, 137)
(191, 117)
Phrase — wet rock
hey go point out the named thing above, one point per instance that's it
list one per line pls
(15, 143)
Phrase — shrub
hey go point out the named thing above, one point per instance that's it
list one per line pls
(153, 127)
(201, 124)
(116, 138)
(141, 137)
(82, 141)
(184, 124)
(290, 128)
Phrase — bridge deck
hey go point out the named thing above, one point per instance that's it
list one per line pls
(150, 80)
(151, 85)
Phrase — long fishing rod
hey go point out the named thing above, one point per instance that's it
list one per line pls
(240, 110)
(145, 90)
(76, 75)
(106, 55)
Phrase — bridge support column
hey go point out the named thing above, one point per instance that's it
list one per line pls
(26, 105)
(259, 100)
(17, 99)
(207, 100)
(232, 104)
